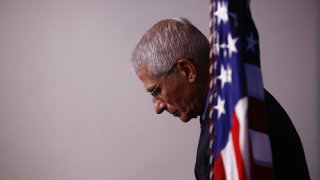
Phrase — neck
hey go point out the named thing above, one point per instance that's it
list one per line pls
(204, 90)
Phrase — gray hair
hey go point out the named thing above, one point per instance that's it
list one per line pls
(167, 41)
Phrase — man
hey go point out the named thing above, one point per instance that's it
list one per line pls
(172, 61)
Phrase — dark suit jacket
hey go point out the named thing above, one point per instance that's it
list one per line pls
(287, 151)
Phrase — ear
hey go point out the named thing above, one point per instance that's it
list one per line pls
(187, 69)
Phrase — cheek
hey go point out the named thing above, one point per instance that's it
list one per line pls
(179, 95)
(183, 101)
(186, 101)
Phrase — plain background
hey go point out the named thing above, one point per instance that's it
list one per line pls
(71, 108)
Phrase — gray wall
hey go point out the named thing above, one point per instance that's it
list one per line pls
(71, 109)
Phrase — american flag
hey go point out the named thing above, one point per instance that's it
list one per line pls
(239, 142)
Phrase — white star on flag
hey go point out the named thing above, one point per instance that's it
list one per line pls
(224, 47)
(231, 45)
(222, 12)
(216, 45)
(251, 43)
(220, 107)
(225, 75)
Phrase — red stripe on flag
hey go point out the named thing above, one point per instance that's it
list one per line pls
(257, 115)
(236, 145)
(219, 172)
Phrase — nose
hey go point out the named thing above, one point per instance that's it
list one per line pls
(158, 105)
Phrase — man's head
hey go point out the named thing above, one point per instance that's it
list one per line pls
(171, 60)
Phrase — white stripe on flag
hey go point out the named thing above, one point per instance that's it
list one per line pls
(241, 109)
(229, 160)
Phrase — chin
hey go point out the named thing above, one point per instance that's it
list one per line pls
(185, 119)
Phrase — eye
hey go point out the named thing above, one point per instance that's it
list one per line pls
(156, 92)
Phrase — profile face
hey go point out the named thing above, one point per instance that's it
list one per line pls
(174, 94)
